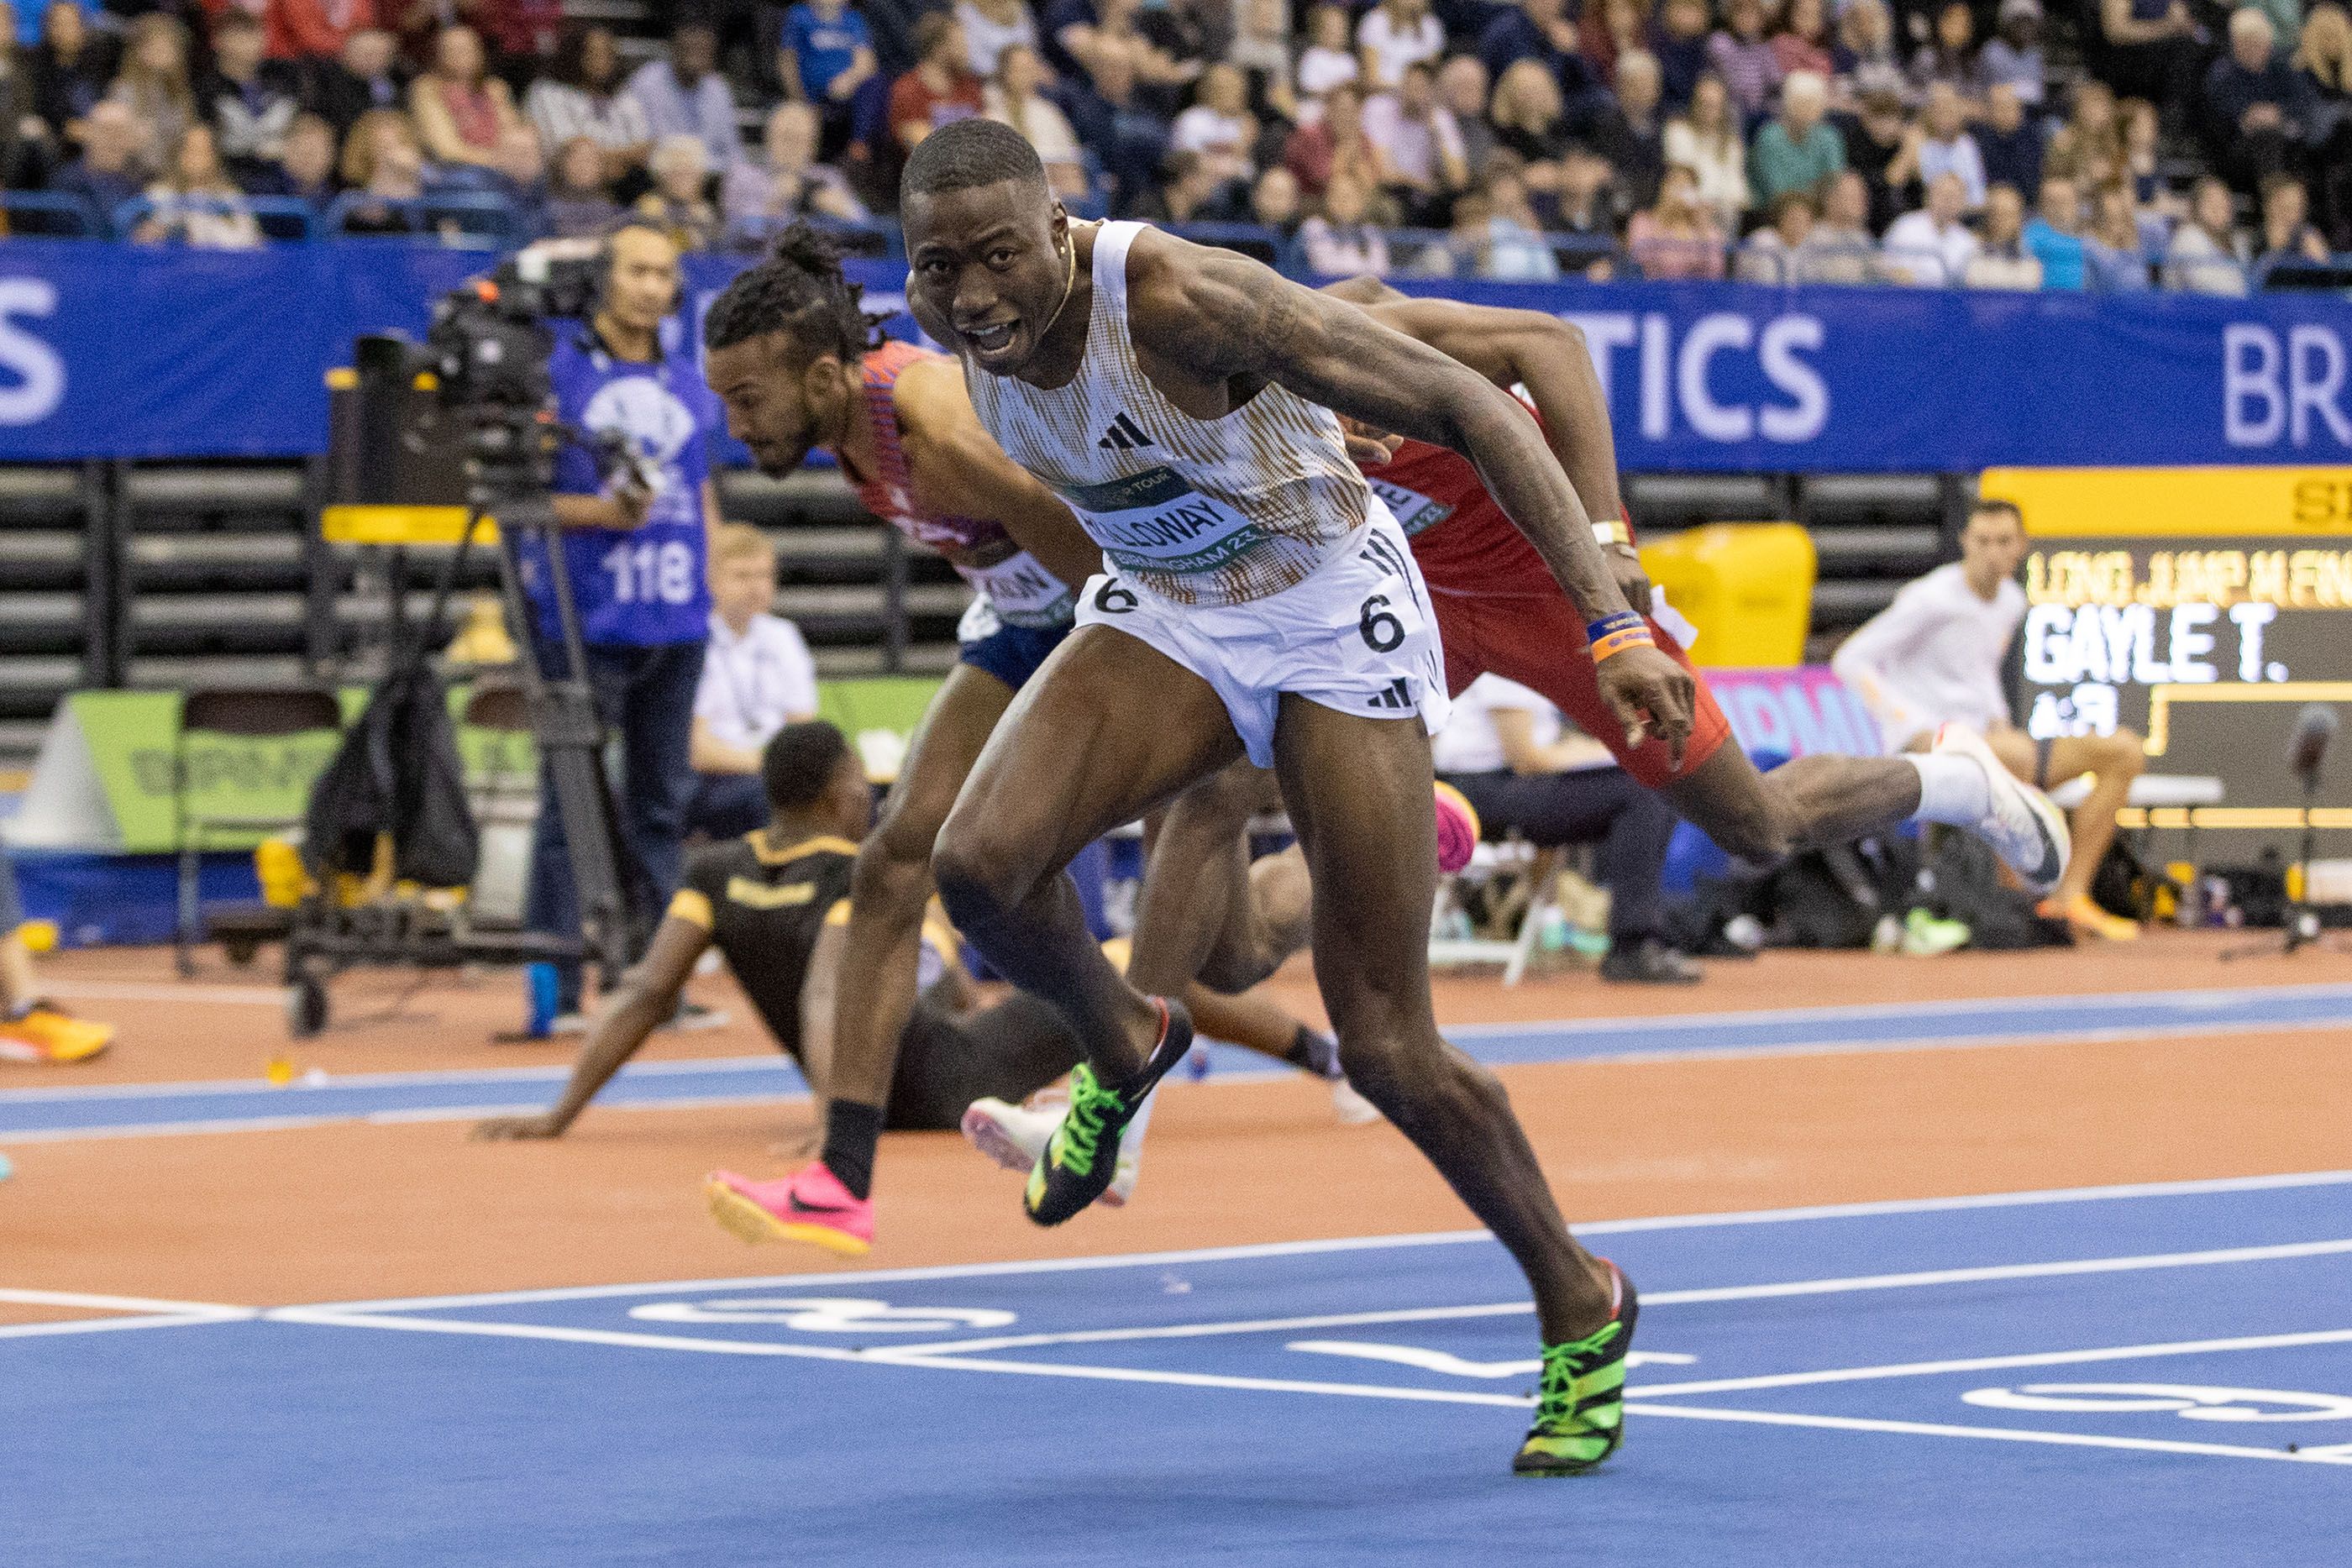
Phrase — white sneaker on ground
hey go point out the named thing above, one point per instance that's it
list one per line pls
(1352, 1109)
(2023, 828)
(1015, 1136)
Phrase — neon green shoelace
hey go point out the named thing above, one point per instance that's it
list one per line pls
(1563, 1375)
(1080, 1135)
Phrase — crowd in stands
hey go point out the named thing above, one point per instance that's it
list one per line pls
(2136, 143)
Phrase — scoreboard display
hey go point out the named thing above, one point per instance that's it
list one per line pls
(2203, 608)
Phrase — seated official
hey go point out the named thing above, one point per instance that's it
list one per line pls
(1935, 657)
(1512, 756)
(757, 678)
(776, 903)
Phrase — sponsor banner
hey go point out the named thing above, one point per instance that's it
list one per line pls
(1795, 712)
(117, 351)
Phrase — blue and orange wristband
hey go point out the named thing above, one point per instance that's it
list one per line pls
(1616, 633)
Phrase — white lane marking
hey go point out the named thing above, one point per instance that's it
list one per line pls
(1995, 1434)
(323, 1317)
(150, 1314)
(2029, 1008)
(109, 1325)
(2204, 1187)
(2192, 997)
(1447, 1366)
(1414, 1355)
(911, 1357)
(326, 1318)
(171, 1129)
(376, 1118)
(135, 991)
(1205, 1331)
(1776, 1289)
(28, 1298)
(2190, 1401)
(1196, 1379)
(555, 1072)
(824, 1315)
(1994, 1362)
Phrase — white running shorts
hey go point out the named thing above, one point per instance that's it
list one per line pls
(1357, 635)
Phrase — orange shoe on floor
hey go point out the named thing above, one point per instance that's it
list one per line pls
(43, 1033)
(2084, 915)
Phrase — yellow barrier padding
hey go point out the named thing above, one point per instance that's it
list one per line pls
(1747, 587)
(2061, 503)
(402, 526)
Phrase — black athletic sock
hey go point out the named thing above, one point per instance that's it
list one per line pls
(1313, 1052)
(851, 1131)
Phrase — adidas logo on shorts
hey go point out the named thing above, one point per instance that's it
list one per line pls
(1124, 436)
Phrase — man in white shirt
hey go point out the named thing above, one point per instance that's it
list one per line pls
(1934, 657)
(1932, 247)
(757, 678)
(1507, 751)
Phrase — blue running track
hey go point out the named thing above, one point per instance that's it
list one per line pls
(2152, 1376)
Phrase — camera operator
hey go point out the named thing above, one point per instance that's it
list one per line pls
(635, 550)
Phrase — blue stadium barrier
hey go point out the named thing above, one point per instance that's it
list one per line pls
(82, 220)
(287, 218)
(477, 219)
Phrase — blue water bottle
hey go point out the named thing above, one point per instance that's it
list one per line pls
(542, 988)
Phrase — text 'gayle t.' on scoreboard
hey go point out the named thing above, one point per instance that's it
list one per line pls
(2202, 607)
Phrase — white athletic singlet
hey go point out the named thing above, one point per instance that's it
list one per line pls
(1203, 512)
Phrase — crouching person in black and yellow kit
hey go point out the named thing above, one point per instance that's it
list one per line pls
(776, 903)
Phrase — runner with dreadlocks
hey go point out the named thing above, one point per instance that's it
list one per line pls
(790, 352)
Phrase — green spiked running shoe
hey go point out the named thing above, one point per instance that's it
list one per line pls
(1081, 1159)
(1581, 1414)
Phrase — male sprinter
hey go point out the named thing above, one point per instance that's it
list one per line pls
(1929, 667)
(1258, 599)
(1205, 912)
(791, 355)
(775, 903)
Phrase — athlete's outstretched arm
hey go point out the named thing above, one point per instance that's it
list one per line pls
(958, 468)
(1543, 353)
(1516, 348)
(648, 994)
(1223, 315)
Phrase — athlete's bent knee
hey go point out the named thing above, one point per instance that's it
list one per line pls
(894, 864)
(1418, 1090)
(980, 870)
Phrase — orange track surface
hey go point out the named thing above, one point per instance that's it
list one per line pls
(366, 1211)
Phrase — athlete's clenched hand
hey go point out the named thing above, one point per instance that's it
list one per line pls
(1651, 696)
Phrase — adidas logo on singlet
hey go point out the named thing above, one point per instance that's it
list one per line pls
(1123, 436)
